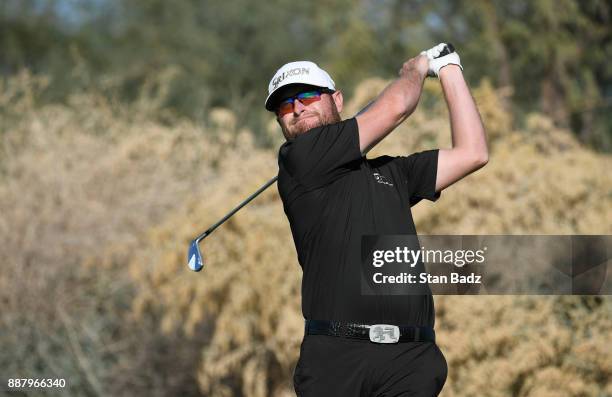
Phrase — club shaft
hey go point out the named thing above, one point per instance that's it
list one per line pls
(252, 196)
(232, 212)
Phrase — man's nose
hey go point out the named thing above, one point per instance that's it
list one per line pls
(298, 107)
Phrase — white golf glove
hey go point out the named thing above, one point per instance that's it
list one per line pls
(439, 56)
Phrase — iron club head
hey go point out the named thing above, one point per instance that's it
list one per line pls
(194, 257)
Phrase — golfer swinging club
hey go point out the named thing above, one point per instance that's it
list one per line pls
(332, 195)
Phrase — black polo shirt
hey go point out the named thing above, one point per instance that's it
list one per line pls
(332, 195)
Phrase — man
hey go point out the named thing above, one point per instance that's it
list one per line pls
(333, 195)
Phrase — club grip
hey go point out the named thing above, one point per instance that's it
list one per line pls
(448, 49)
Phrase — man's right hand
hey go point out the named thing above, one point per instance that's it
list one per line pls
(418, 65)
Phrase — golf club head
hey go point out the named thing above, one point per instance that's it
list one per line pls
(194, 257)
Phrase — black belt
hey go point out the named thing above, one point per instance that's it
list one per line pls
(378, 333)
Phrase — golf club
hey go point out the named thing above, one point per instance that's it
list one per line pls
(194, 257)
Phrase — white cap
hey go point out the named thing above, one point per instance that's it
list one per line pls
(300, 72)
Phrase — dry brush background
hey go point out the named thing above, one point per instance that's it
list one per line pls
(99, 204)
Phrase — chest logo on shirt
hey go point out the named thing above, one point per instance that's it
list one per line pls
(382, 179)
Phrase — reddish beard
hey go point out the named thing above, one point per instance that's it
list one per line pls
(309, 120)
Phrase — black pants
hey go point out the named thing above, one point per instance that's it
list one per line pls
(334, 366)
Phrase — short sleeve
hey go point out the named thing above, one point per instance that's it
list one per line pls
(323, 154)
(420, 170)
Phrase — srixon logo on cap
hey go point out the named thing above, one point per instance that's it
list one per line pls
(288, 73)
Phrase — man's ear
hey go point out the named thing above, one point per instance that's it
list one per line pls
(338, 100)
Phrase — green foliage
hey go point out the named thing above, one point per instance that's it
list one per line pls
(554, 54)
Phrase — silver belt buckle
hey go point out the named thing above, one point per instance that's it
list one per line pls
(384, 333)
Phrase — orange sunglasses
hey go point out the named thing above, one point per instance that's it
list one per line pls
(306, 98)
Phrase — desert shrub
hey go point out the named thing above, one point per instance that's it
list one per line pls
(77, 183)
(99, 204)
